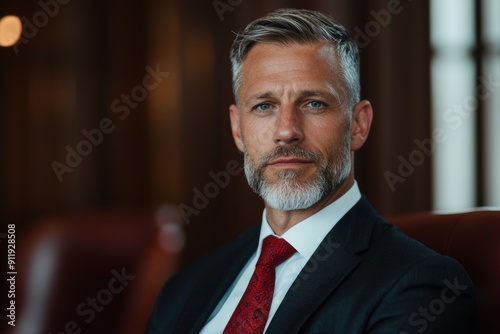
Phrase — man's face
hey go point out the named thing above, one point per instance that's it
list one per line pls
(293, 123)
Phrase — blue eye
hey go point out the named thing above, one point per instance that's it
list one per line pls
(316, 104)
(264, 106)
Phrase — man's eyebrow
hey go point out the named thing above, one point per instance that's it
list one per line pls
(320, 93)
(303, 94)
(260, 96)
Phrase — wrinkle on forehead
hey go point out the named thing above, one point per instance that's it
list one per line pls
(276, 70)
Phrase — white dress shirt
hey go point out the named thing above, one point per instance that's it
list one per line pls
(305, 237)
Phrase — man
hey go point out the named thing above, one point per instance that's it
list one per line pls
(322, 260)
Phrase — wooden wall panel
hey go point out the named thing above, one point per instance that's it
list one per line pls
(68, 77)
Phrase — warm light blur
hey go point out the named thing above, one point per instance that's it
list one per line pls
(10, 30)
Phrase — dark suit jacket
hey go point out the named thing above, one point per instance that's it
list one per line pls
(365, 277)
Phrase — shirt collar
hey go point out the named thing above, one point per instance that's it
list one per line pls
(306, 236)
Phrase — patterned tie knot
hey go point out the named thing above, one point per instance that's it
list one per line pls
(274, 252)
(250, 316)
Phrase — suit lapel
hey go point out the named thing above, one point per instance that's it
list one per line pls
(330, 264)
(209, 292)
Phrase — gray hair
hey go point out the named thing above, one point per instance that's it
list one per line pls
(299, 26)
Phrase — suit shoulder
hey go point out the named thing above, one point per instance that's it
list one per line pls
(397, 252)
(181, 286)
(188, 276)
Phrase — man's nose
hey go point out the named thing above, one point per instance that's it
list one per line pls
(288, 126)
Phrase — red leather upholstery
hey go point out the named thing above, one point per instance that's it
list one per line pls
(472, 238)
(98, 272)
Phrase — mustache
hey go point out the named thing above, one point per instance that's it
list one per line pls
(289, 151)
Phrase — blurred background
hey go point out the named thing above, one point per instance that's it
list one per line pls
(115, 137)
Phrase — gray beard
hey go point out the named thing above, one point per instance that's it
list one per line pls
(289, 193)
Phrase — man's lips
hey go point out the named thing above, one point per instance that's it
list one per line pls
(288, 162)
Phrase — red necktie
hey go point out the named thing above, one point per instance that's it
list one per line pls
(250, 316)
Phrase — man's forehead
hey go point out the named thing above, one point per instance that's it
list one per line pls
(269, 58)
(302, 68)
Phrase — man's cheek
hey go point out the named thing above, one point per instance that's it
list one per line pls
(262, 133)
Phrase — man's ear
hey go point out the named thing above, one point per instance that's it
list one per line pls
(362, 115)
(235, 126)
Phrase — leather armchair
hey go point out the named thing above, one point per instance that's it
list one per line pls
(94, 272)
(472, 238)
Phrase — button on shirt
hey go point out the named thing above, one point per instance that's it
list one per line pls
(305, 237)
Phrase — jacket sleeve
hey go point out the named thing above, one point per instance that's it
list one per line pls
(435, 295)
